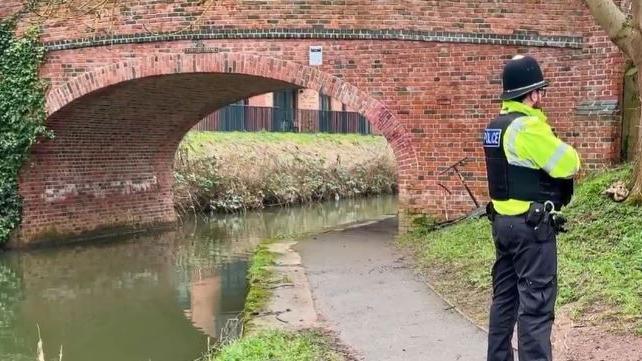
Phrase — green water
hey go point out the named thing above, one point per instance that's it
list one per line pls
(150, 297)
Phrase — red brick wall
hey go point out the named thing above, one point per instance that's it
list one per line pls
(555, 17)
(426, 73)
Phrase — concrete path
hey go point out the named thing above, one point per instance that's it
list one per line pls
(365, 292)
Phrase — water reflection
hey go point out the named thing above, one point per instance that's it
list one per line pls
(155, 296)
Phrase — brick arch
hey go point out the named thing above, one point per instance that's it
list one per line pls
(118, 128)
(260, 66)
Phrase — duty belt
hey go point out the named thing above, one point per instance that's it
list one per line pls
(538, 215)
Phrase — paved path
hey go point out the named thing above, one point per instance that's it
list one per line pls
(378, 307)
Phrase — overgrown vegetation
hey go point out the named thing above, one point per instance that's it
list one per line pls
(600, 258)
(282, 346)
(22, 115)
(232, 172)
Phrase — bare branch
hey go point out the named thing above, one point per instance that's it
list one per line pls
(609, 16)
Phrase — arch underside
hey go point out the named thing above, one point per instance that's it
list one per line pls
(109, 167)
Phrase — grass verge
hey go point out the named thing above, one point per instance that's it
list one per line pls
(211, 140)
(282, 346)
(600, 259)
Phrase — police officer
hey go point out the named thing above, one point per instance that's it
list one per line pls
(530, 174)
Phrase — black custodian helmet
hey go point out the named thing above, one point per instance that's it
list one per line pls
(521, 76)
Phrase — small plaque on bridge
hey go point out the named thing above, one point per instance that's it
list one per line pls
(316, 55)
(200, 48)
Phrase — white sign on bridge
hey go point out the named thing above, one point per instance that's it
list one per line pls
(316, 55)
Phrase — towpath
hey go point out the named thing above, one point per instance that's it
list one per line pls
(363, 290)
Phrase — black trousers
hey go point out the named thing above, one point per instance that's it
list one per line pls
(524, 290)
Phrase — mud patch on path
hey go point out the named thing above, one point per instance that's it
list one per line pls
(582, 341)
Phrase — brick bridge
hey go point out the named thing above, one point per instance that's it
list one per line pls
(129, 78)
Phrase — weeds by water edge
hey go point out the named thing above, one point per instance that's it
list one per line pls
(305, 345)
(308, 345)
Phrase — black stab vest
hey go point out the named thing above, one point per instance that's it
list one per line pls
(507, 181)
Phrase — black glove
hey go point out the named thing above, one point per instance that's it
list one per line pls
(558, 222)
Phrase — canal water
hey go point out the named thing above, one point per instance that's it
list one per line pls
(156, 296)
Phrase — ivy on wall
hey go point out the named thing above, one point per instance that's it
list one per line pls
(22, 115)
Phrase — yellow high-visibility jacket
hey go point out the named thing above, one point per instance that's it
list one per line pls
(530, 142)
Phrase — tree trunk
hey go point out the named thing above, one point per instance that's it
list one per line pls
(636, 191)
(627, 35)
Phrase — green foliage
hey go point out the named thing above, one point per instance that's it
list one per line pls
(423, 225)
(280, 345)
(600, 258)
(22, 115)
(466, 249)
(196, 139)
